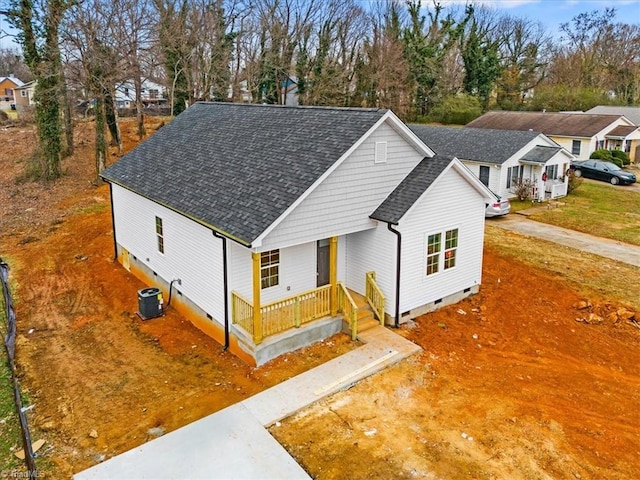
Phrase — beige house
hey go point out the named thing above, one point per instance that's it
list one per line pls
(579, 133)
(24, 97)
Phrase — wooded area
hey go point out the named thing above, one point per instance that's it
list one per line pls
(424, 61)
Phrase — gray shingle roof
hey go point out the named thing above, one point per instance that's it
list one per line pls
(409, 190)
(631, 113)
(549, 123)
(540, 154)
(477, 144)
(238, 167)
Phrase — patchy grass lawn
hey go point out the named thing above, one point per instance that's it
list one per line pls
(9, 426)
(596, 209)
(587, 273)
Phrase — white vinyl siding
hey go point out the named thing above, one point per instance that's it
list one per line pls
(373, 250)
(426, 217)
(343, 202)
(296, 272)
(192, 253)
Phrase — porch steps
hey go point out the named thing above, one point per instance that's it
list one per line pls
(366, 318)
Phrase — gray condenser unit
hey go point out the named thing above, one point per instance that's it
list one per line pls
(150, 303)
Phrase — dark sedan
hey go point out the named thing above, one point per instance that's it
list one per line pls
(601, 170)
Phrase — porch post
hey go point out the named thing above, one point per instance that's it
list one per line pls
(257, 317)
(333, 274)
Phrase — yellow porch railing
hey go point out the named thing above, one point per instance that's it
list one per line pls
(293, 311)
(282, 314)
(374, 296)
(242, 312)
(349, 309)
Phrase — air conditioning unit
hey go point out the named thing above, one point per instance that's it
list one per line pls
(150, 303)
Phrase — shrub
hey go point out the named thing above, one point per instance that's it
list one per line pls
(574, 182)
(622, 156)
(523, 189)
(602, 154)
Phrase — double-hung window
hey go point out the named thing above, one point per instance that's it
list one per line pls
(160, 234)
(513, 175)
(575, 147)
(442, 255)
(269, 268)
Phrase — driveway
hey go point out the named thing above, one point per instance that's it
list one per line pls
(622, 252)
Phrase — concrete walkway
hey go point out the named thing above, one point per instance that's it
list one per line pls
(233, 443)
(622, 252)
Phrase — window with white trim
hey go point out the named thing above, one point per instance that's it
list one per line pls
(450, 248)
(160, 234)
(442, 255)
(269, 268)
(513, 175)
(551, 171)
(575, 147)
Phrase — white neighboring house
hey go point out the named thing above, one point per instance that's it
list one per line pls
(152, 94)
(502, 158)
(579, 133)
(274, 217)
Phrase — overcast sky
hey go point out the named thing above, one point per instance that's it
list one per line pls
(550, 12)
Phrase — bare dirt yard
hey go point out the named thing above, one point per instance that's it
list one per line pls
(520, 381)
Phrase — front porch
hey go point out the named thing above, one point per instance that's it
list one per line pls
(314, 309)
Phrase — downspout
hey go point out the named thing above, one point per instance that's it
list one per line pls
(225, 288)
(113, 223)
(398, 251)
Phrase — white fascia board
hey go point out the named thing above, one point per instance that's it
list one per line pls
(405, 132)
(466, 174)
(389, 116)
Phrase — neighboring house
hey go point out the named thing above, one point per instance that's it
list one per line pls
(631, 113)
(7, 86)
(153, 94)
(503, 158)
(271, 216)
(24, 97)
(580, 133)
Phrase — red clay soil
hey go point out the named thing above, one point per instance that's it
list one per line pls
(545, 389)
(519, 381)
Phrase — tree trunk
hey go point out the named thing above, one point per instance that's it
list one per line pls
(139, 106)
(68, 120)
(111, 116)
(101, 137)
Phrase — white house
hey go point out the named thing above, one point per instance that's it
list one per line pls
(503, 158)
(267, 220)
(579, 133)
(151, 93)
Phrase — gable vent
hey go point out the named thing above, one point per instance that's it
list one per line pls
(381, 152)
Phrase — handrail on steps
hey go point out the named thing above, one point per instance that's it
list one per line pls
(349, 309)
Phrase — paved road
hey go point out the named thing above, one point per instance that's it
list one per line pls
(604, 247)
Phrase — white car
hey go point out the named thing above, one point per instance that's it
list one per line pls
(499, 207)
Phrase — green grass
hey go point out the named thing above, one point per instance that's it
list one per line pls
(10, 428)
(597, 209)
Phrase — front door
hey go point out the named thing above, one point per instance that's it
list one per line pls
(484, 174)
(323, 262)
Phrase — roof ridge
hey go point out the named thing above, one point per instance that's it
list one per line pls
(294, 107)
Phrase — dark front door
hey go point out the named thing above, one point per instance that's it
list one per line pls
(323, 262)
(484, 174)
